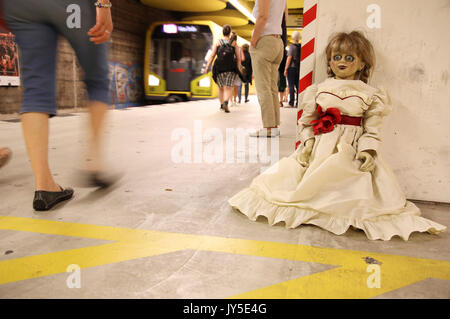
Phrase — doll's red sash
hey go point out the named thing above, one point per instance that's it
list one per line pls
(330, 117)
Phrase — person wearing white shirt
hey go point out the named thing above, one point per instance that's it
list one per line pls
(266, 51)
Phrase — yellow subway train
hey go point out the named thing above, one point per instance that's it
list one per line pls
(176, 54)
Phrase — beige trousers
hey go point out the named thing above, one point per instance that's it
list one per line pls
(266, 59)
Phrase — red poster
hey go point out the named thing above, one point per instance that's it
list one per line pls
(9, 59)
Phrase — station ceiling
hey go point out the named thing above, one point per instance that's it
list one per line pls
(223, 12)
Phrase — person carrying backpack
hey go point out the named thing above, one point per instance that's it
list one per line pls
(292, 69)
(224, 69)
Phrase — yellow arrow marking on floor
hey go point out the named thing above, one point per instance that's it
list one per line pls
(347, 280)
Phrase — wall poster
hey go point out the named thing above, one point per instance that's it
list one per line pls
(9, 59)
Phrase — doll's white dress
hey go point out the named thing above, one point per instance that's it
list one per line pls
(330, 191)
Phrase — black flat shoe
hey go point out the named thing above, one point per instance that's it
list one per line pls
(96, 179)
(44, 200)
(225, 107)
(101, 180)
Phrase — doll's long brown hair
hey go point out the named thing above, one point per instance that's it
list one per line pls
(356, 42)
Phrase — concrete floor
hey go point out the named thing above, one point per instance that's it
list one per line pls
(167, 231)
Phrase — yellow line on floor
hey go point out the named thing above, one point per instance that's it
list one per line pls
(348, 280)
(343, 282)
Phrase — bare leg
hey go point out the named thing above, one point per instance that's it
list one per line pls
(221, 95)
(97, 118)
(228, 93)
(35, 129)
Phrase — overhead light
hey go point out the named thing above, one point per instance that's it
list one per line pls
(242, 10)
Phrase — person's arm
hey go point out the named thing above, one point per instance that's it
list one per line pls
(238, 55)
(211, 58)
(101, 32)
(261, 21)
(286, 13)
(288, 63)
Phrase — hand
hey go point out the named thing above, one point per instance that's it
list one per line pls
(206, 70)
(101, 32)
(368, 161)
(254, 42)
(305, 154)
(285, 73)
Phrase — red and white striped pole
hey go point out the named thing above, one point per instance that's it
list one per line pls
(308, 55)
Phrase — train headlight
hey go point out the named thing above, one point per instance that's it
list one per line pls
(153, 80)
(205, 82)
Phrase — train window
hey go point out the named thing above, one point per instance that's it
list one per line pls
(176, 51)
(155, 51)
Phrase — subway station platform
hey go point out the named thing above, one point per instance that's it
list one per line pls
(166, 229)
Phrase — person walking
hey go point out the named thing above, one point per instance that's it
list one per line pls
(292, 68)
(37, 25)
(224, 66)
(247, 70)
(282, 83)
(238, 82)
(267, 53)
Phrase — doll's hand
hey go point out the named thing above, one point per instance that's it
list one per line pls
(305, 154)
(368, 161)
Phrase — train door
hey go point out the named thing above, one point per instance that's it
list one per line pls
(179, 73)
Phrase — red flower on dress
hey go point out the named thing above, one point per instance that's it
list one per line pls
(326, 120)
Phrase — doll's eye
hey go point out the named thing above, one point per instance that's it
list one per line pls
(337, 57)
(349, 58)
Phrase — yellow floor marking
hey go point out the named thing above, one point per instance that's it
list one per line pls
(347, 280)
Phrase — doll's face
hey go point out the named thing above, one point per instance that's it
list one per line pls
(345, 64)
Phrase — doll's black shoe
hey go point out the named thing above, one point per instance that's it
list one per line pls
(44, 200)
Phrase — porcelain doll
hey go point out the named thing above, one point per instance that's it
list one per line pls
(336, 178)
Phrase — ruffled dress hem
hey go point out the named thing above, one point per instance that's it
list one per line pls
(382, 227)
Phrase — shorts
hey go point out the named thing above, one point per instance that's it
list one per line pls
(36, 25)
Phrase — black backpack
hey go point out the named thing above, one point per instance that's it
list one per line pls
(296, 56)
(225, 61)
